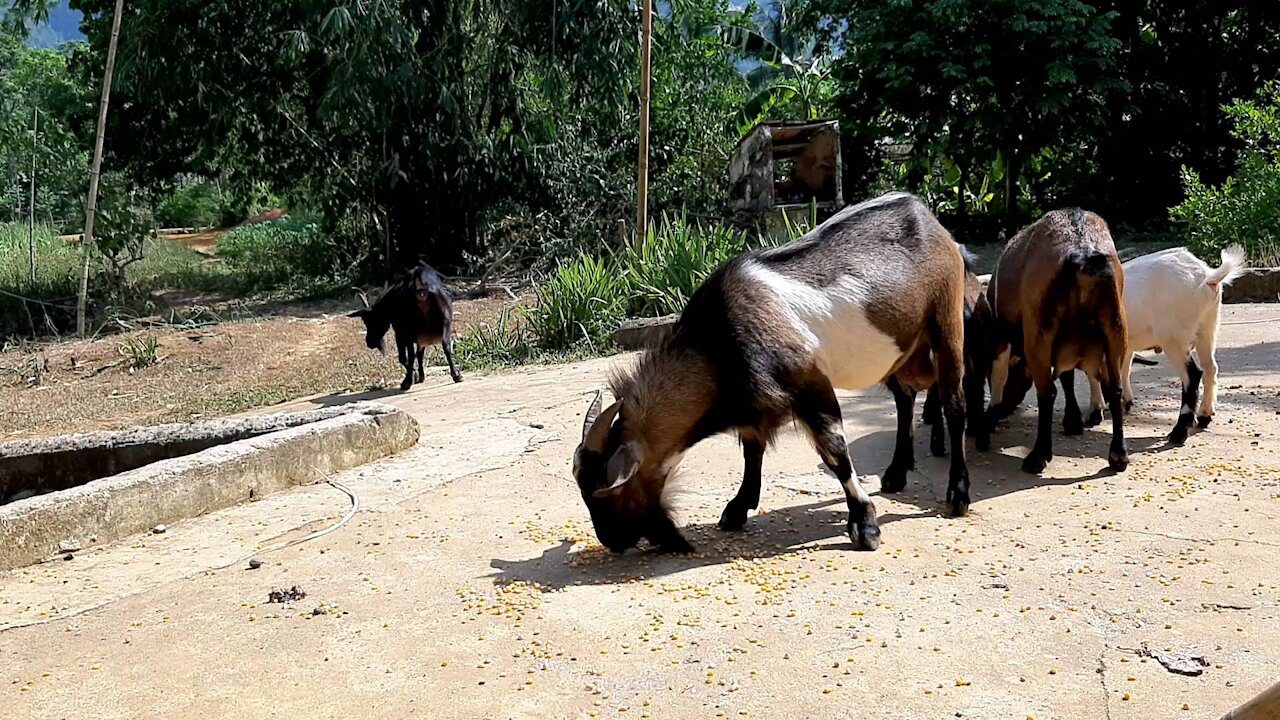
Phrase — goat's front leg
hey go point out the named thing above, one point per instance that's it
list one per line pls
(405, 352)
(974, 392)
(818, 410)
(895, 476)
(748, 497)
(422, 372)
(1095, 403)
(1072, 419)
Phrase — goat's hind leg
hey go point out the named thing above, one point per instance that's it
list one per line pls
(818, 410)
(1189, 373)
(447, 344)
(748, 497)
(405, 353)
(1206, 342)
(895, 476)
(422, 372)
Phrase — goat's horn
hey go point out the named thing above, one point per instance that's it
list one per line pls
(593, 412)
(363, 298)
(595, 431)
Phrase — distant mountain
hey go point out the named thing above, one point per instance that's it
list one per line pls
(63, 26)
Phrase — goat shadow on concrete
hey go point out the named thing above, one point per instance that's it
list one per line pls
(997, 472)
(780, 531)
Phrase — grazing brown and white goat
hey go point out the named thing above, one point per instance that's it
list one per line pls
(1172, 300)
(1057, 297)
(873, 295)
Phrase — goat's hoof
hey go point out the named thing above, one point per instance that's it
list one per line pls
(1072, 424)
(1094, 419)
(457, 378)
(1178, 436)
(894, 480)
(958, 502)
(733, 517)
(1128, 406)
(1202, 421)
(406, 384)
(1035, 463)
(865, 535)
(1118, 459)
(420, 377)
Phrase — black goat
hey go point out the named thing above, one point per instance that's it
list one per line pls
(418, 308)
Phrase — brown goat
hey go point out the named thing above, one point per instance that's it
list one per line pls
(1057, 296)
(873, 295)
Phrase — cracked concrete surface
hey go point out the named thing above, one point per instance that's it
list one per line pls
(470, 585)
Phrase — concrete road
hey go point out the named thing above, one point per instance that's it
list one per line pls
(470, 585)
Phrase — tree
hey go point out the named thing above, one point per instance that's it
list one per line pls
(1183, 60)
(417, 127)
(974, 87)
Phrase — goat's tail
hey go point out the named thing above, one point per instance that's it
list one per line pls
(1231, 268)
(1096, 264)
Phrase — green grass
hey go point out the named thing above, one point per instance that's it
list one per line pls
(271, 263)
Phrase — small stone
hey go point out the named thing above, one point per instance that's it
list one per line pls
(160, 529)
(255, 563)
(69, 546)
(536, 425)
(69, 556)
(318, 611)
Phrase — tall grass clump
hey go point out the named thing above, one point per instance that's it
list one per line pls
(54, 289)
(582, 302)
(674, 260)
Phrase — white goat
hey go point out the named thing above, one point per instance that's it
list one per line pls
(1172, 300)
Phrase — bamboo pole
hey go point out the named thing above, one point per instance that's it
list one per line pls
(91, 207)
(31, 225)
(642, 195)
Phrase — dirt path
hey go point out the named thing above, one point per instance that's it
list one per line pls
(471, 586)
(215, 370)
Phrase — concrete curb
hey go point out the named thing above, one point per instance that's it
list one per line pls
(131, 502)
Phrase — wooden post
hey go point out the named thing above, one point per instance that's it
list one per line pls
(1266, 706)
(642, 194)
(91, 207)
(31, 227)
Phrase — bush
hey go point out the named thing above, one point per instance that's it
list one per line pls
(196, 205)
(582, 302)
(278, 253)
(1246, 208)
(673, 262)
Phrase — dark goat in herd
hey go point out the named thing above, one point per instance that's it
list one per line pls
(419, 310)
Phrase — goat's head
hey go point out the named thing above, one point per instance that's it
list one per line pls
(621, 486)
(375, 325)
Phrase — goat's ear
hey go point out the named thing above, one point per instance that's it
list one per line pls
(622, 467)
(595, 427)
